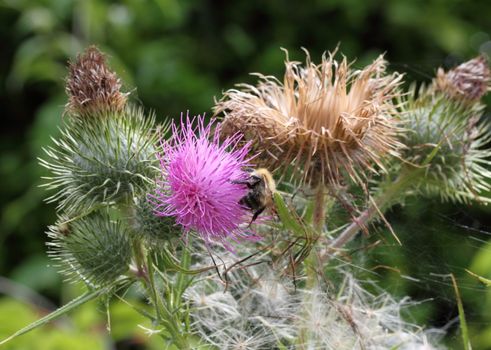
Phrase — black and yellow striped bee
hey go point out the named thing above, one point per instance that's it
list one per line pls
(261, 187)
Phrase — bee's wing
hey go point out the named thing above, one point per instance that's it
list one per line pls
(250, 182)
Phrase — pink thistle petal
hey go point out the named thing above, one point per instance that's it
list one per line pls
(196, 186)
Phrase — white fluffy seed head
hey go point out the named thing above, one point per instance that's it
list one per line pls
(260, 309)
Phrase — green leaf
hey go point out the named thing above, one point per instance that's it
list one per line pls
(289, 221)
(463, 322)
(82, 299)
(481, 279)
(172, 264)
(125, 315)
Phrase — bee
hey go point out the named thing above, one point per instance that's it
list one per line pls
(261, 187)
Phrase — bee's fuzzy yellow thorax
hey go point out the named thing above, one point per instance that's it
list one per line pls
(268, 178)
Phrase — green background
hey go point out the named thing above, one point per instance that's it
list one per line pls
(176, 56)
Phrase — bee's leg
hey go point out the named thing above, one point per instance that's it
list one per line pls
(256, 214)
(239, 182)
(243, 182)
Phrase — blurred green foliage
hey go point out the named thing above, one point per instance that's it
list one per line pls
(176, 56)
(84, 328)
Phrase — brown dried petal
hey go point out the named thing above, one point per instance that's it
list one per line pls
(469, 81)
(92, 87)
(324, 119)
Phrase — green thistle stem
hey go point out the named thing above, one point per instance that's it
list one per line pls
(153, 289)
(139, 256)
(391, 192)
(312, 263)
(164, 315)
(319, 208)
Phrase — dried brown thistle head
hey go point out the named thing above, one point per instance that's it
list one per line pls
(326, 120)
(468, 81)
(92, 87)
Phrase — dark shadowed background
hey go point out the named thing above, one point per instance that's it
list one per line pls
(176, 56)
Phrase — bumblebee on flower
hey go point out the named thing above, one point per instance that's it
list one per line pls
(197, 186)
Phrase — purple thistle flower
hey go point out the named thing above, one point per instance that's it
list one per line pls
(196, 186)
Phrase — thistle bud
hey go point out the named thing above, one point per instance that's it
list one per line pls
(449, 143)
(469, 81)
(99, 160)
(102, 161)
(91, 87)
(93, 249)
(153, 229)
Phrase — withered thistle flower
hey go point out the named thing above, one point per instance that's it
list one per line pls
(326, 120)
(92, 87)
(468, 82)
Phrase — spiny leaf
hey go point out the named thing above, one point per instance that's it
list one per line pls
(289, 222)
(82, 299)
(171, 263)
(485, 281)
(463, 322)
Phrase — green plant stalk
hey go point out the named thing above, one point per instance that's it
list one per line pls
(174, 301)
(152, 287)
(408, 176)
(170, 320)
(319, 218)
(139, 255)
(145, 275)
(463, 322)
(163, 315)
(312, 263)
(182, 278)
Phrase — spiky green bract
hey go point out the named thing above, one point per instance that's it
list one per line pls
(155, 230)
(102, 160)
(449, 143)
(94, 249)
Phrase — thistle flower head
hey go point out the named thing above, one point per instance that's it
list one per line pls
(468, 82)
(197, 185)
(327, 119)
(92, 87)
